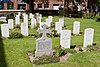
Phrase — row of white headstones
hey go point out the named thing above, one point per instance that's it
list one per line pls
(24, 26)
(65, 37)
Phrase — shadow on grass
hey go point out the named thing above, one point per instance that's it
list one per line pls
(2, 53)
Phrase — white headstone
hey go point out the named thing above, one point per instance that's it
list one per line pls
(61, 20)
(58, 27)
(88, 37)
(11, 23)
(17, 20)
(19, 13)
(37, 17)
(23, 14)
(26, 19)
(33, 23)
(48, 23)
(30, 15)
(50, 18)
(24, 29)
(43, 44)
(4, 30)
(3, 19)
(76, 27)
(65, 38)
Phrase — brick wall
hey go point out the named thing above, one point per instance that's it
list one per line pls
(15, 4)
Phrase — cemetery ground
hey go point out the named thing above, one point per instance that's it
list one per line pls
(15, 50)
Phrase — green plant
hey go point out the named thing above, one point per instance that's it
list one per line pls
(15, 35)
(52, 25)
(62, 51)
(72, 51)
(37, 26)
(46, 59)
(54, 33)
(90, 48)
(89, 15)
(97, 18)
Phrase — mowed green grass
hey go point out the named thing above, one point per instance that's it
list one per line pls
(15, 50)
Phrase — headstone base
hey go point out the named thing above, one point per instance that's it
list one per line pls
(41, 53)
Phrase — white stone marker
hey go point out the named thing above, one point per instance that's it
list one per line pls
(19, 13)
(43, 44)
(24, 29)
(33, 23)
(30, 15)
(76, 27)
(17, 20)
(61, 20)
(39, 17)
(48, 23)
(58, 27)
(65, 38)
(88, 37)
(26, 19)
(5, 30)
(50, 18)
(3, 19)
(11, 23)
(23, 14)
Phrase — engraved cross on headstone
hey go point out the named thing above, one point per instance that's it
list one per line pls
(44, 31)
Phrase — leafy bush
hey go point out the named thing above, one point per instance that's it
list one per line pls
(97, 18)
(15, 35)
(89, 15)
(90, 48)
(46, 59)
(63, 51)
(72, 51)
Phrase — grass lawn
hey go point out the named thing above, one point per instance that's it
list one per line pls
(13, 51)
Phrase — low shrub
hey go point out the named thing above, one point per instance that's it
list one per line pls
(89, 15)
(91, 48)
(72, 51)
(63, 51)
(46, 59)
(98, 19)
(15, 35)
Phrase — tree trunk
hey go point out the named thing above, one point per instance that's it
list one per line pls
(65, 8)
(31, 6)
